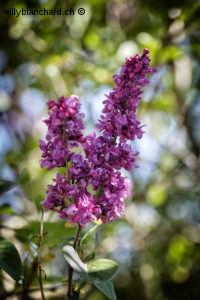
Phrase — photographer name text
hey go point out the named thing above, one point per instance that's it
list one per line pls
(42, 12)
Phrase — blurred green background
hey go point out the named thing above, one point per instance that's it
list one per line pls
(157, 242)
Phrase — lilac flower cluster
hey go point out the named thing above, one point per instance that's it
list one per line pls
(93, 187)
(64, 131)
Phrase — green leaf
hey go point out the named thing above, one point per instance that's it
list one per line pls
(24, 177)
(101, 270)
(107, 289)
(10, 260)
(89, 256)
(6, 185)
(74, 260)
(56, 233)
(87, 238)
(26, 233)
(7, 210)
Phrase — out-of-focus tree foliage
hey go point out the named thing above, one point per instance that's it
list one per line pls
(157, 243)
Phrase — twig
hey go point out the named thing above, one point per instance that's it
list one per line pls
(40, 270)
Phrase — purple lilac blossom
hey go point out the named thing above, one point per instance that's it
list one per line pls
(64, 131)
(118, 117)
(93, 187)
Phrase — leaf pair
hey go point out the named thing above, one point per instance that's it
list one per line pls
(99, 272)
